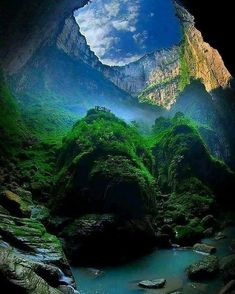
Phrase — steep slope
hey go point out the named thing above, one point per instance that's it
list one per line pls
(159, 77)
(66, 76)
(12, 130)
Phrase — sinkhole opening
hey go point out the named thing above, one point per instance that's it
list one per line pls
(122, 31)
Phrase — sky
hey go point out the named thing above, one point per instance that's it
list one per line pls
(122, 31)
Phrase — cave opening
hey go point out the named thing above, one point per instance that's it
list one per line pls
(120, 32)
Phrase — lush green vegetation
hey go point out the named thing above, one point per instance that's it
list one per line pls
(108, 159)
(12, 129)
(143, 96)
(105, 165)
(184, 65)
(192, 178)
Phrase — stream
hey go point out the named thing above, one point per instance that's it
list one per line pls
(169, 264)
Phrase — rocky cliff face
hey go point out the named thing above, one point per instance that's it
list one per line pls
(203, 61)
(74, 44)
(158, 78)
(31, 26)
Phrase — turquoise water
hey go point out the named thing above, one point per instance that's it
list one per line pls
(168, 264)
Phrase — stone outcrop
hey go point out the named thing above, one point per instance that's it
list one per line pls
(31, 259)
(74, 44)
(204, 248)
(159, 77)
(207, 268)
(203, 61)
(23, 32)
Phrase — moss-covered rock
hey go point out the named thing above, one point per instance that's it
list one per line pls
(15, 204)
(190, 233)
(207, 268)
(104, 166)
(204, 248)
(194, 181)
(184, 162)
(18, 275)
(106, 238)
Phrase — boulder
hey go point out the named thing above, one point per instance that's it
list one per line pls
(31, 236)
(206, 268)
(40, 213)
(228, 288)
(17, 275)
(95, 237)
(220, 236)
(227, 268)
(31, 259)
(14, 204)
(204, 248)
(209, 221)
(153, 284)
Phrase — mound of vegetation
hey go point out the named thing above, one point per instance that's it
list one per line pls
(193, 181)
(104, 166)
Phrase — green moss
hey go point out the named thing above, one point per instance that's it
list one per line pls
(184, 66)
(102, 153)
(12, 130)
(143, 97)
(189, 234)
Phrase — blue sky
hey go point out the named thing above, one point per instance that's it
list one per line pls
(122, 31)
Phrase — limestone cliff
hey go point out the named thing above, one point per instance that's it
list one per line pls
(73, 43)
(159, 77)
(203, 61)
(32, 25)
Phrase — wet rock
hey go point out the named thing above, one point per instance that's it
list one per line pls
(209, 222)
(204, 248)
(95, 237)
(18, 275)
(220, 236)
(14, 204)
(30, 236)
(227, 267)
(40, 213)
(25, 195)
(153, 284)
(48, 272)
(228, 288)
(207, 268)
(40, 255)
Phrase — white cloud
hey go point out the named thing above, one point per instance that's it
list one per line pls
(112, 8)
(123, 25)
(99, 21)
(140, 38)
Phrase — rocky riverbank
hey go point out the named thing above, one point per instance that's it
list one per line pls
(31, 259)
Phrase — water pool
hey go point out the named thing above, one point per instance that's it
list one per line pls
(168, 264)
